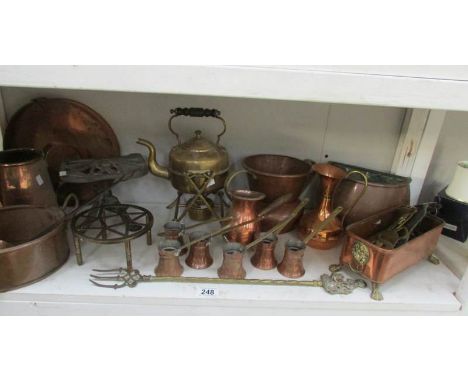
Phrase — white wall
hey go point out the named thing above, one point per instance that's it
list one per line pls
(362, 135)
(451, 148)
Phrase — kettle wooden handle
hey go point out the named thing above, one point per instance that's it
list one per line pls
(196, 112)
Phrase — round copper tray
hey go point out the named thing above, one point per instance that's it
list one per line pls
(64, 129)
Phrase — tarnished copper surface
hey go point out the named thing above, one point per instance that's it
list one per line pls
(278, 215)
(276, 175)
(199, 256)
(30, 251)
(378, 264)
(232, 267)
(193, 156)
(292, 266)
(168, 264)
(24, 179)
(64, 129)
(264, 256)
(174, 230)
(330, 236)
(384, 191)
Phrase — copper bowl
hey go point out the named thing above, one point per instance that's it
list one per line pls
(276, 175)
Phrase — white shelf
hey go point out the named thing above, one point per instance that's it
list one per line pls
(425, 288)
(442, 87)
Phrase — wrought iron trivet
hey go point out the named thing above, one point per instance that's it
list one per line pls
(111, 224)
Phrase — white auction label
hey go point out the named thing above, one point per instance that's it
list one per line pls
(39, 180)
(451, 227)
(207, 292)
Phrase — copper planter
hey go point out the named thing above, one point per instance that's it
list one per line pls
(29, 251)
(384, 191)
(378, 264)
(24, 179)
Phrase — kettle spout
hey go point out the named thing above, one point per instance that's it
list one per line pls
(153, 165)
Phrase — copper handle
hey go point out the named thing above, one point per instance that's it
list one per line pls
(196, 112)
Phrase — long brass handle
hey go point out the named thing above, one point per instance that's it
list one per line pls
(196, 112)
(323, 224)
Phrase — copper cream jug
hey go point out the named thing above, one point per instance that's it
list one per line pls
(196, 157)
(329, 237)
(24, 179)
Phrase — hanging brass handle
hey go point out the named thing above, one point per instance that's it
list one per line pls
(358, 197)
(196, 112)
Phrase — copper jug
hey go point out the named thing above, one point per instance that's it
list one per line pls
(243, 209)
(329, 237)
(232, 267)
(291, 266)
(24, 179)
(264, 257)
(199, 256)
(169, 264)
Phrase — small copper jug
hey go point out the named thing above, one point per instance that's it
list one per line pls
(328, 237)
(264, 257)
(199, 255)
(169, 264)
(233, 256)
(174, 230)
(243, 209)
(24, 179)
(291, 266)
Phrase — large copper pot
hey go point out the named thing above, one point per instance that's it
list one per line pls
(33, 244)
(384, 191)
(277, 175)
(24, 178)
(196, 157)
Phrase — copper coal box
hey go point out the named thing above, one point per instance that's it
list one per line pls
(379, 264)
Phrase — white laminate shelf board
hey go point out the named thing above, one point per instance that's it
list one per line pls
(423, 289)
(301, 83)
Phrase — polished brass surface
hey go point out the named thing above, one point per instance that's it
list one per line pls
(384, 191)
(24, 179)
(195, 156)
(232, 267)
(333, 284)
(199, 256)
(168, 264)
(264, 256)
(292, 266)
(330, 236)
(379, 264)
(276, 175)
(63, 129)
(24, 257)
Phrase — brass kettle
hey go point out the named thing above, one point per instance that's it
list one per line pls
(195, 164)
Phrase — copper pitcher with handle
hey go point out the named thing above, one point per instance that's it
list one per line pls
(243, 209)
(329, 237)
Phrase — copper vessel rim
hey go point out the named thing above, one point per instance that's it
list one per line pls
(369, 183)
(384, 251)
(247, 195)
(59, 226)
(296, 175)
(328, 170)
(169, 245)
(38, 155)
